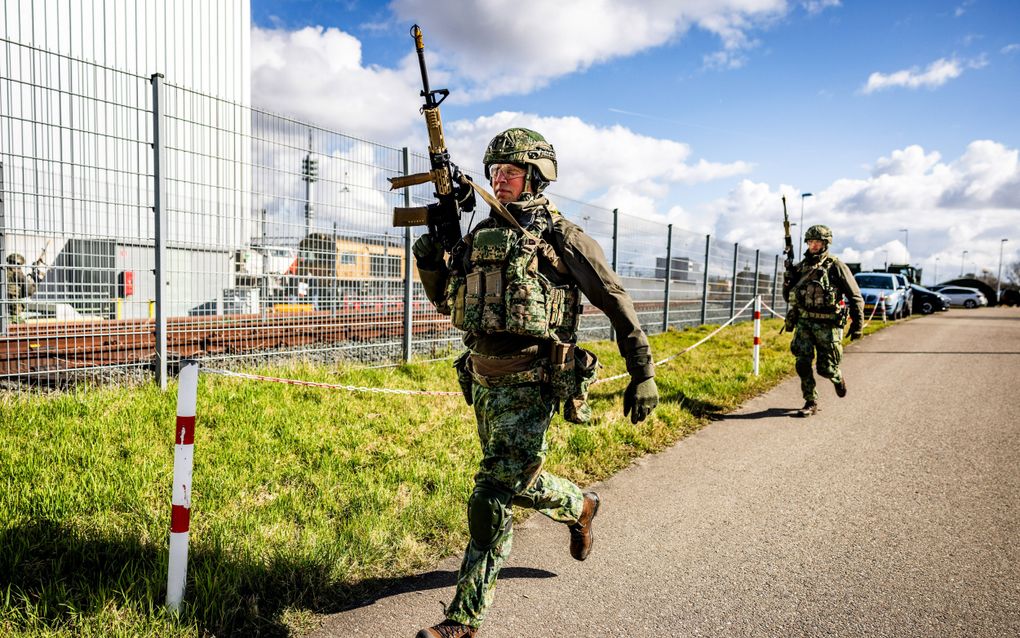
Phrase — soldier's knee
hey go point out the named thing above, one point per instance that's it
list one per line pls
(488, 514)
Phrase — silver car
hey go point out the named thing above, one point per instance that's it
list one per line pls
(963, 296)
(884, 290)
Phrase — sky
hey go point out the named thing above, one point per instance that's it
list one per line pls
(898, 117)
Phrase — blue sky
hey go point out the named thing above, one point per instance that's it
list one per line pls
(893, 114)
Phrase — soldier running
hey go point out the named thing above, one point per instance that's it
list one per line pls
(816, 288)
(515, 290)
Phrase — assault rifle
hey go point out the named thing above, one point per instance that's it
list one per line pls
(792, 311)
(788, 250)
(453, 188)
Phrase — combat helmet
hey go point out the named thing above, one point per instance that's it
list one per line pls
(527, 148)
(16, 259)
(819, 232)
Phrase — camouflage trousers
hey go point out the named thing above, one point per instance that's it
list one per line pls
(827, 340)
(512, 425)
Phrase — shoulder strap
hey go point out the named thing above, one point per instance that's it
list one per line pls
(544, 248)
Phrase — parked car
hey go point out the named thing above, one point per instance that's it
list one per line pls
(1009, 297)
(928, 301)
(883, 289)
(960, 296)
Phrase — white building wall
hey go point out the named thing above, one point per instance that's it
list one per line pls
(74, 137)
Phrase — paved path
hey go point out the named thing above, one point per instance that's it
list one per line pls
(893, 512)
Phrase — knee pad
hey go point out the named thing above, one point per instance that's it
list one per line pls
(488, 514)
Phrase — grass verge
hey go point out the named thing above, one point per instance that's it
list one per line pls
(305, 501)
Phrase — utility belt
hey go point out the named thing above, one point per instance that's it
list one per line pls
(835, 317)
(567, 369)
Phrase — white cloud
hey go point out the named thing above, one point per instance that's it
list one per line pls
(814, 7)
(969, 204)
(505, 49)
(1009, 49)
(317, 75)
(594, 158)
(938, 73)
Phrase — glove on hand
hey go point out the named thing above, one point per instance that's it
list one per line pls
(640, 398)
(428, 253)
(854, 336)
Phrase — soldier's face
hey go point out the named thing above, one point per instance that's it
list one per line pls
(507, 182)
(815, 246)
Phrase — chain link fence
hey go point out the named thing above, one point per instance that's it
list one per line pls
(142, 223)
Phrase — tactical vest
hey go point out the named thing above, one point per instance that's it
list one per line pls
(815, 295)
(502, 289)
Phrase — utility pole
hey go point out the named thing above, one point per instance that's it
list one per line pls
(310, 175)
(998, 278)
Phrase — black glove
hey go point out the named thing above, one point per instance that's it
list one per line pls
(640, 398)
(462, 189)
(855, 335)
(428, 253)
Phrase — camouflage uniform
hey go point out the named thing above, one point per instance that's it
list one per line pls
(19, 285)
(819, 329)
(506, 372)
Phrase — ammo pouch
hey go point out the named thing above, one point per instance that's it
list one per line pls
(571, 371)
(461, 364)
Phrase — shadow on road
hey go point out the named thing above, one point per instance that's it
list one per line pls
(386, 587)
(761, 414)
(933, 352)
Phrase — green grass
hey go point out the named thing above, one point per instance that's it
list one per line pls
(305, 500)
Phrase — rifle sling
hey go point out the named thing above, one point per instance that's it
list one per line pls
(544, 247)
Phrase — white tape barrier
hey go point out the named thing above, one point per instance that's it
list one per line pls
(688, 348)
(180, 512)
(769, 308)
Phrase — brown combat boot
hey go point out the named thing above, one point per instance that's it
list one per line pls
(447, 629)
(810, 408)
(581, 537)
(841, 388)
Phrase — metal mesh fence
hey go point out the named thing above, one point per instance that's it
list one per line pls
(156, 223)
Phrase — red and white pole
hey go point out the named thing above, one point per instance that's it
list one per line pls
(180, 516)
(757, 331)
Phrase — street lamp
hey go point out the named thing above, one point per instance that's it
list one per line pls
(998, 277)
(936, 280)
(800, 248)
(906, 240)
(962, 259)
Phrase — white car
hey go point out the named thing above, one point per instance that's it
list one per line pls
(962, 296)
(885, 290)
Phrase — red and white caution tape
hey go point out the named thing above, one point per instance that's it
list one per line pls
(329, 386)
(688, 348)
(769, 308)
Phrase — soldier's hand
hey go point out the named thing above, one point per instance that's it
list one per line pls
(428, 252)
(855, 335)
(640, 398)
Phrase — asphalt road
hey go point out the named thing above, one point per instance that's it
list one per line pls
(893, 512)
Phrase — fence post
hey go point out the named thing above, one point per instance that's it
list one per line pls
(616, 257)
(733, 288)
(704, 283)
(757, 331)
(775, 286)
(669, 276)
(180, 509)
(159, 209)
(408, 268)
(757, 259)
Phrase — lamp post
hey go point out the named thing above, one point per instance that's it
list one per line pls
(998, 277)
(800, 248)
(962, 260)
(936, 280)
(906, 240)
